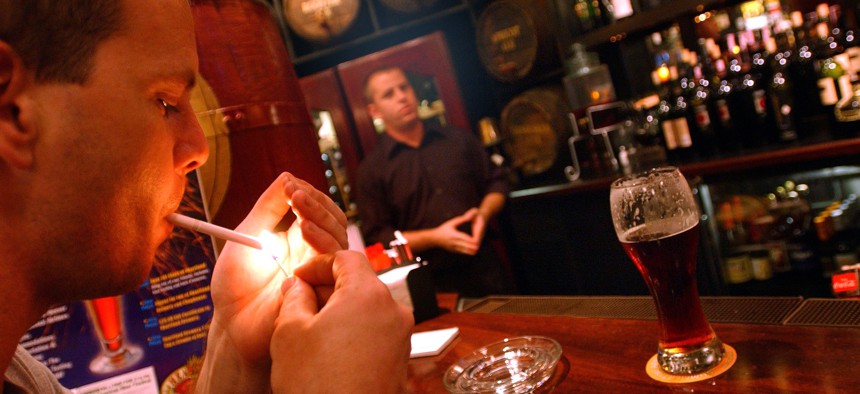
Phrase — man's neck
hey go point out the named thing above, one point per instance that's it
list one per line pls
(19, 310)
(410, 136)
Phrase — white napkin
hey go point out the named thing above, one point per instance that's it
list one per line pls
(431, 343)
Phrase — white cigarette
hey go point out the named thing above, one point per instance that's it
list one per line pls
(213, 230)
(223, 233)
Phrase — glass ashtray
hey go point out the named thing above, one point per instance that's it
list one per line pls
(513, 365)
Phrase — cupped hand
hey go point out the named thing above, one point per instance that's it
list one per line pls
(246, 283)
(448, 237)
(350, 338)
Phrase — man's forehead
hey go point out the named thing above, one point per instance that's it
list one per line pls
(389, 75)
(388, 80)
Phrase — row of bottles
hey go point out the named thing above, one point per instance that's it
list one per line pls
(763, 237)
(790, 79)
(775, 243)
(838, 230)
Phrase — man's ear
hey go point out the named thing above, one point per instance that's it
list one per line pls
(372, 111)
(16, 140)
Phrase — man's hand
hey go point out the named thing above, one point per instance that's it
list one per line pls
(246, 283)
(479, 228)
(339, 330)
(448, 237)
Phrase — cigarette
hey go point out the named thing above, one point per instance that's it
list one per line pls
(213, 230)
(223, 233)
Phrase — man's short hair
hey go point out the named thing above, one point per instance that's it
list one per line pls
(365, 85)
(57, 39)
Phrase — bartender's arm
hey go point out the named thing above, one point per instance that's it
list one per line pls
(492, 203)
(447, 236)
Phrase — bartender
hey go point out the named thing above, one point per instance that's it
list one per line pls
(434, 184)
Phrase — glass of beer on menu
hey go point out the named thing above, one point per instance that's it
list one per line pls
(107, 318)
(656, 220)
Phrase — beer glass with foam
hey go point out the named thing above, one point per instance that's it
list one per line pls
(656, 220)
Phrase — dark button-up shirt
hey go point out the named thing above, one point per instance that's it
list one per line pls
(405, 188)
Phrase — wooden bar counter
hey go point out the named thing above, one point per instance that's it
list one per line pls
(608, 355)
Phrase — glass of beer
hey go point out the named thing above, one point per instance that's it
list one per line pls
(107, 318)
(656, 220)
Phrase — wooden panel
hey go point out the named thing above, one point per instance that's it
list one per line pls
(426, 55)
(244, 59)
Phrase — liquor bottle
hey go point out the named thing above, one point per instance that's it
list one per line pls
(648, 133)
(847, 110)
(851, 44)
(705, 134)
(737, 263)
(733, 232)
(728, 139)
(597, 13)
(755, 81)
(606, 12)
(672, 112)
(809, 112)
(583, 12)
(762, 267)
(781, 98)
(686, 61)
(740, 105)
(837, 229)
(833, 82)
(847, 233)
(794, 224)
(708, 82)
(847, 114)
(748, 100)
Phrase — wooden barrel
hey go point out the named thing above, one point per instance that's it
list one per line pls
(320, 20)
(245, 60)
(535, 129)
(515, 38)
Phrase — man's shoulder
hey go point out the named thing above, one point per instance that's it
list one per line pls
(30, 375)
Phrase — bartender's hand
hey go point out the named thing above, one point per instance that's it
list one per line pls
(450, 238)
(246, 284)
(479, 227)
(339, 330)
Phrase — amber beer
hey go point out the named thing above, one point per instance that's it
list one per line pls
(667, 262)
(656, 219)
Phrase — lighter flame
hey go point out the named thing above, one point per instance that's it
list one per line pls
(274, 246)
